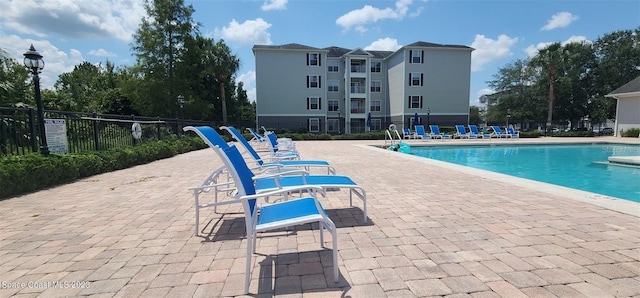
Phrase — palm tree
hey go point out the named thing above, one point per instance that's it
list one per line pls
(225, 65)
(549, 59)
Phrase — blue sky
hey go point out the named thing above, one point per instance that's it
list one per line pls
(68, 32)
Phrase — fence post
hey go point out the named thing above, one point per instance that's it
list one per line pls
(32, 129)
(158, 127)
(95, 131)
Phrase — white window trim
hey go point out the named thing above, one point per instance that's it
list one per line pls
(330, 66)
(379, 106)
(317, 60)
(333, 83)
(314, 122)
(379, 87)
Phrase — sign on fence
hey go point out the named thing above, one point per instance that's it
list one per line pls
(56, 134)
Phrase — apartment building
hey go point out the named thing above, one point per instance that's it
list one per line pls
(338, 90)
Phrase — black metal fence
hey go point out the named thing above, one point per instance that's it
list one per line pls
(19, 130)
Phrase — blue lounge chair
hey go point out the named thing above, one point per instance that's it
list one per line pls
(259, 140)
(473, 130)
(268, 217)
(513, 133)
(499, 133)
(281, 147)
(287, 179)
(276, 163)
(421, 133)
(461, 132)
(407, 134)
(436, 134)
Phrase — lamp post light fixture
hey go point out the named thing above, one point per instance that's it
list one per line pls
(508, 116)
(181, 102)
(428, 113)
(33, 61)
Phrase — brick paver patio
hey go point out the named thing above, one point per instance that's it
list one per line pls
(433, 230)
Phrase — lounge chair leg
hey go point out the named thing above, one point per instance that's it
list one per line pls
(247, 268)
(195, 194)
(321, 228)
(334, 236)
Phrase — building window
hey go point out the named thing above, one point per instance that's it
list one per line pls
(415, 79)
(333, 86)
(376, 124)
(375, 66)
(376, 86)
(333, 125)
(415, 102)
(416, 56)
(333, 66)
(332, 105)
(314, 125)
(313, 103)
(314, 81)
(313, 59)
(375, 106)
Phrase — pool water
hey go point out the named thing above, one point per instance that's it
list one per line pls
(574, 166)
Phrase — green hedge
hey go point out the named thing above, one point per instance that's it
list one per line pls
(21, 174)
(573, 134)
(631, 133)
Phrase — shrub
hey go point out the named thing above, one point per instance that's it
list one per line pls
(531, 134)
(573, 133)
(631, 133)
(27, 173)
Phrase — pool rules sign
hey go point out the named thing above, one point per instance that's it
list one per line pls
(56, 134)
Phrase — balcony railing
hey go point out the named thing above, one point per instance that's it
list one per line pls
(358, 68)
(358, 89)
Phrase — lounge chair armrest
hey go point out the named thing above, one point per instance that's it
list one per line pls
(285, 190)
(300, 172)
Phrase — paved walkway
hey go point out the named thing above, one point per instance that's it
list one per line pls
(433, 230)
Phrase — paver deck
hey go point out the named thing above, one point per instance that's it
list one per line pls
(433, 230)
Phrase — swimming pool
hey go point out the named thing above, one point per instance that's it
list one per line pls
(569, 165)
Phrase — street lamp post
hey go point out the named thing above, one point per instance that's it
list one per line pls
(428, 113)
(33, 61)
(338, 120)
(181, 102)
(508, 116)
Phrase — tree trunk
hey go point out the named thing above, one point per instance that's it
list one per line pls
(223, 101)
(552, 75)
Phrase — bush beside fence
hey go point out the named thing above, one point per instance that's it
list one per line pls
(21, 174)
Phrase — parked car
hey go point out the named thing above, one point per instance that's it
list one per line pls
(606, 131)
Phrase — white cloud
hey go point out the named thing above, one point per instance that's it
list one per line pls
(274, 5)
(484, 91)
(384, 44)
(250, 32)
(560, 20)
(73, 18)
(369, 14)
(488, 50)
(249, 83)
(102, 53)
(533, 50)
(56, 61)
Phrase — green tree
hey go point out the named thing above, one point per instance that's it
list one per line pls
(159, 47)
(78, 90)
(225, 66)
(618, 59)
(548, 60)
(574, 82)
(514, 83)
(474, 115)
(16, 87)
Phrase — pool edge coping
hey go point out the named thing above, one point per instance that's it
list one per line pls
(607, 202)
